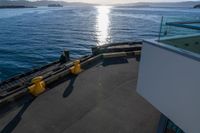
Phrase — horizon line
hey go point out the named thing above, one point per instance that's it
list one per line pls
(114, 3)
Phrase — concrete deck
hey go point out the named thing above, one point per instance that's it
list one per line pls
(102, 99)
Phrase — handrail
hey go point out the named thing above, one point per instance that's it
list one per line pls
(185, 24)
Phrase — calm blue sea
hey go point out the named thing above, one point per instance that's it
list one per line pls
(30, 38)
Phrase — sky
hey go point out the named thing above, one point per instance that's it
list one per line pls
(119, 1)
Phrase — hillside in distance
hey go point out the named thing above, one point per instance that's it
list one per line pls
(37, 3)
(197, 6)
(189, 4)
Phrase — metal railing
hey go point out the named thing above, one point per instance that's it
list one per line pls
(170, 27)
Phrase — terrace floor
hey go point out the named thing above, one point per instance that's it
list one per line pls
(101, 99)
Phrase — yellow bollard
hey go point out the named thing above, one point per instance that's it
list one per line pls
(76, 69)
(38, 86)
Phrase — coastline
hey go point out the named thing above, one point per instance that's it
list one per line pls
(15, 7)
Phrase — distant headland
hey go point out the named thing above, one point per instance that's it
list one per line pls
(55, 5)
(15, 6)
(185, 4)
(197, 6)
(34, 4)
(61, 3)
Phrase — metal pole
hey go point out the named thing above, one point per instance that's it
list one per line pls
(160, 29)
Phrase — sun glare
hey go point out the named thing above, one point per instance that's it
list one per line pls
(103, 24)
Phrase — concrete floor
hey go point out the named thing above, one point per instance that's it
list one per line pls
(101, 99)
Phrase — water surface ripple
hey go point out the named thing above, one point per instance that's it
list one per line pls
(30, 38)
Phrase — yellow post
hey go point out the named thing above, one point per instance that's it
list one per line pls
(38, 86)
(76, 69)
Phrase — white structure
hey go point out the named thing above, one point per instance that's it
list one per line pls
(169, 78)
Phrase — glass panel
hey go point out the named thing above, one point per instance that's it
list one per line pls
(181, 34)
(178, 26)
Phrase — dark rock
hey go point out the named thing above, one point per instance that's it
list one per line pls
(197, 6)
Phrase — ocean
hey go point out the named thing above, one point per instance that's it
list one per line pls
(33, 37)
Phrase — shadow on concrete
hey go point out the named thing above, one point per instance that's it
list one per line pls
(70, 87)
(15, 121)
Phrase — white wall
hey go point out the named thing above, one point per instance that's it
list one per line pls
(171, 83)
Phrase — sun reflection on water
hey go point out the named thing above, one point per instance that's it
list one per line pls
(103, 24)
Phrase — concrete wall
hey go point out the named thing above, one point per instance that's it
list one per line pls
(171, 83)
